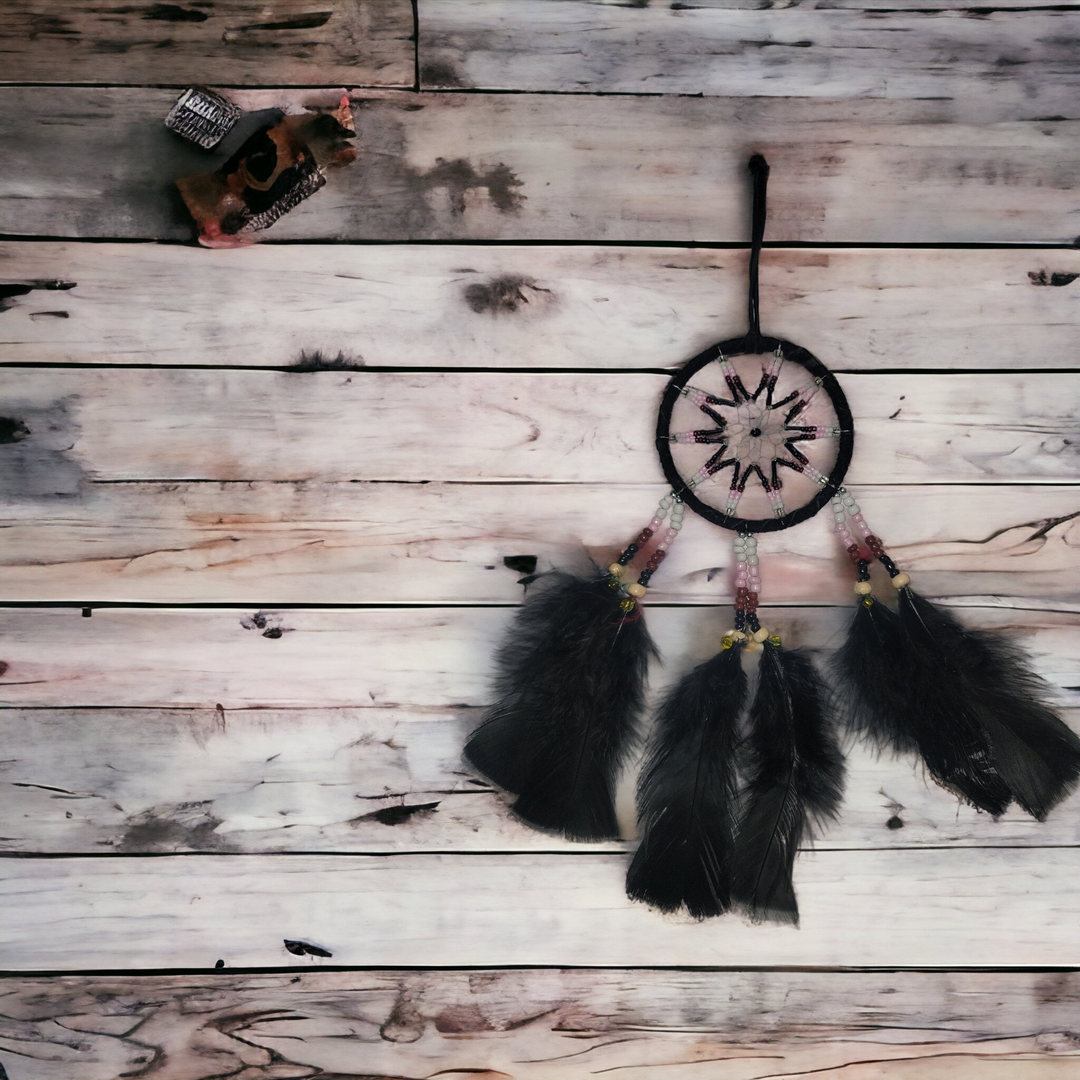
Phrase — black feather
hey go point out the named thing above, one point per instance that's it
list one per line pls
(686, 793)
(900, 687)
(570, 683)
(795, 777)
(1036, 755)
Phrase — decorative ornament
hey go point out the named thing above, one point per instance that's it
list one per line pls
(754, 435)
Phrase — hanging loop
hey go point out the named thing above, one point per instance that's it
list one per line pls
(759, 169)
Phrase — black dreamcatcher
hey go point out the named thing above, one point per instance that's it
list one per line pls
(754, 435)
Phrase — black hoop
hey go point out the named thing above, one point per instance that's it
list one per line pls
(753, 344)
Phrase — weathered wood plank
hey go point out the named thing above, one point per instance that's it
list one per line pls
(994, 65)
(308, 543)
(532, 306)
(454, 166)
(537, 1025)
(941, 908)
(106, 424)
(364, 780)
(234, 42)
(404, 657)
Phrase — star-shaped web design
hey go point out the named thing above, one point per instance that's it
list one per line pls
(755, 435)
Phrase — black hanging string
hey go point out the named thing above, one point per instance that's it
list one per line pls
(759, 169)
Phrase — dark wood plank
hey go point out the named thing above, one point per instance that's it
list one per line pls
(476, 166)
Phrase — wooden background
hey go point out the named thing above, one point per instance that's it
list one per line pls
(283, 484)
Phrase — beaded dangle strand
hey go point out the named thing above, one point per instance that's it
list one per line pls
(670, 506)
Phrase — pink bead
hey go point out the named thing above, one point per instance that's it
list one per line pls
(856, 517)
(663, 545)
(671, 534)
(655, 523)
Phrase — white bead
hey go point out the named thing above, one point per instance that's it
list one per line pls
(676, 525)
(751, 560)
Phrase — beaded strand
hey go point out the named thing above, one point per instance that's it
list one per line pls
(747, 591)
(670, 506)
(864, 548)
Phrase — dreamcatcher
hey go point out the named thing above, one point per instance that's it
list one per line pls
(754, 435)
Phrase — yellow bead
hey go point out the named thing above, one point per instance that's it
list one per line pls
(900, 581)
(627, 605)
(636, 590)
(616, 570)
(761, 635)
(726, 643)
(775, 640)
(867, 601)
(863, 588)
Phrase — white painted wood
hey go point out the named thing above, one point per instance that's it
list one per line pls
(315, 543)
(545, 1025)
(365, 780)
(428, 657)
(476, 166)
(942, 908)
(236, 42)
(1008, 65)
(106, 425)
(522, 307)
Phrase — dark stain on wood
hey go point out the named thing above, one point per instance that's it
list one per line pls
(12, 430)
(397, 815)
(174, 13)
(441, 74)
(4, 665)
(462, 1020)
(305, 948)
(35, 460)
(301, 22)
(522, 564)
(503, 295)
(9, 290)
(316, 360)
(895, 822)
(1058, 988)
(1041, 277)
(35, 315)
(273, 632)
(461, 176)
(183, 827)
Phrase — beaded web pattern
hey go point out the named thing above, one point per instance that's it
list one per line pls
(756, 434)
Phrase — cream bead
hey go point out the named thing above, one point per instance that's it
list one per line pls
(900, 581)
(863, 588)
(761, 635)
(616, 569)
(636, 590)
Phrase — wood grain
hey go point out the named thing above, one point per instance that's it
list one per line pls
(538, 1025)
(108, 424)
(236, 42)
(993, 64)
(383, 657)
(531, 307)
(375, 780)
(476, 166)
(905, 907)
(317, 543)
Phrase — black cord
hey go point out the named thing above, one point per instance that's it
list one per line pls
(759, 169)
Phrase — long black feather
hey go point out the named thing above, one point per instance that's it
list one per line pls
(686, 792)
(570, 683)
(795, 778)
(1036, 755)
(901, 689)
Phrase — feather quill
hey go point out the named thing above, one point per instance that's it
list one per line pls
(570, 683)
(686, 793)
(795, 778)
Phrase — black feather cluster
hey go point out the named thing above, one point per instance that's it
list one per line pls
(795, 779)
(705, 845)
(570, 684)
(687, 792)
(966, 701)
